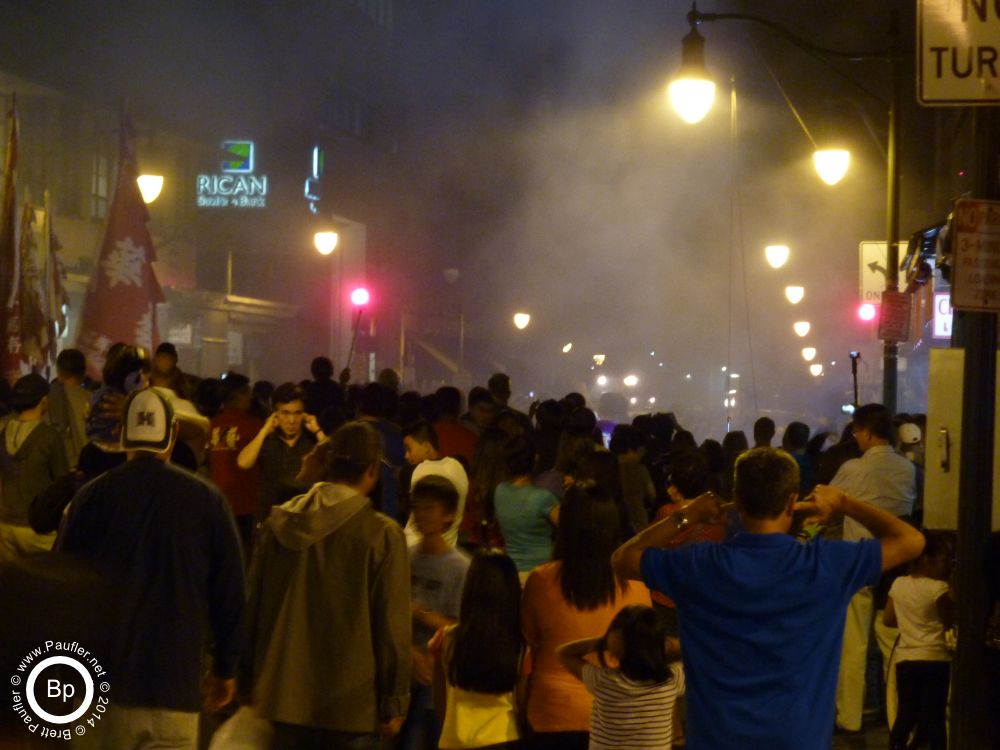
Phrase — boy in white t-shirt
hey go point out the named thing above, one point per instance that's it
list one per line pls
(922, 607)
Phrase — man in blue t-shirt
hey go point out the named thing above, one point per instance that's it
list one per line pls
(762, 615)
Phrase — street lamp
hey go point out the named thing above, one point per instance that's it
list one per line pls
(692, 90)
(809, 353)
(567, 348)
(831, 164)
(150, 186)
(521, 320)
(326, 241)
(794, 294)
(816, 370)
(777, 255)
(693, 52)
(631, 381)
(802, 328)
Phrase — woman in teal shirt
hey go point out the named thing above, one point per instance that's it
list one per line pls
(527, 514)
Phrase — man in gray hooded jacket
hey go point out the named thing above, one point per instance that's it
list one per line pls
(329, 637)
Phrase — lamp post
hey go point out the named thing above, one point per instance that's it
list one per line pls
(325, 241)
(694, 81)
(451, 276)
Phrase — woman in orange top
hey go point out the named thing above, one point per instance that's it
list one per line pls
(575, 596)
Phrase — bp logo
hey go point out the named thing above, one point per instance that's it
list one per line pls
(60, 690)
(239, 157)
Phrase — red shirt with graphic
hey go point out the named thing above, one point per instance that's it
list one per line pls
(231, 430)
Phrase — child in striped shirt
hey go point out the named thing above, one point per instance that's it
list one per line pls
(634, 701)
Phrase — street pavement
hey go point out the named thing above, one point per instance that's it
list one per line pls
(873, 736)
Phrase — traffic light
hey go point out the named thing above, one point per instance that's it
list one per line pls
(360, 297)
(867, 312)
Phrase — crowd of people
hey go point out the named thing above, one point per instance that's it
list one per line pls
(376, 568)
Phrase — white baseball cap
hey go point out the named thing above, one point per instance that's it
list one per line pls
(149, 422)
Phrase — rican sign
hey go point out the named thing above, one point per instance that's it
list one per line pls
(874, 262)
(237, 186)
(958, 57)
(975, 274)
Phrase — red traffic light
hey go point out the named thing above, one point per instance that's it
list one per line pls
(360, 297)
(867, 312)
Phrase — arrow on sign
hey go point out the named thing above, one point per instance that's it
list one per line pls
(875, 267)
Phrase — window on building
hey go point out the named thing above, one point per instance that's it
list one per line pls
(349, 113)
(99, 179)
(380, 11)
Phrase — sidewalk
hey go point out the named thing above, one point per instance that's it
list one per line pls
(873, 736)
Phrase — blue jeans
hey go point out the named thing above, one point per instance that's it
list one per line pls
(420, 730)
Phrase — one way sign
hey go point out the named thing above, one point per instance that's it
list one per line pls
(874, 257)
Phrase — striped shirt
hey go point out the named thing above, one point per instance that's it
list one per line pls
(636, 715)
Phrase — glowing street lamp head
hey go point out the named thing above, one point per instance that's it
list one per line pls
(602, 380)
(777, 255)
(325, 242)
(794, 294)
(692, 90)
(691, 98)
(360, 297)
(631, 381)
(150, 186)
(567, 348)
(831, 164)
(816, 370)
(802, 328)
(521, 320)
(809, 353)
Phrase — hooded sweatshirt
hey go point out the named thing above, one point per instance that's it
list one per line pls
(329, 614)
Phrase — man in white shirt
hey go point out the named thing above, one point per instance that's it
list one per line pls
(887, 480)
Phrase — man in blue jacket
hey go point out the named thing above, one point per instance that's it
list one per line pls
(167, 543)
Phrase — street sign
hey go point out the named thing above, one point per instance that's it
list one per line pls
(943, 315)
(873, 265)
(894, 316)
(958, 51)
(975, 275)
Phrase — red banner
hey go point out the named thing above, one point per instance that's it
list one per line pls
(10, 318)
(123, 292)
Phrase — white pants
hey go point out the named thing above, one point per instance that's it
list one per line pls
(128, 728)
(853, 656)
(886, 638)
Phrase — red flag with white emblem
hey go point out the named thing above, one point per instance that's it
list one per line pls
(123, 292)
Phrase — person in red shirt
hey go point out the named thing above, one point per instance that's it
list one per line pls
(231, 430)
(454, 439)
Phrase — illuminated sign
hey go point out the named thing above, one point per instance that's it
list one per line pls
(942, 315)
(240, 157)
(314, 190)
(237, 186)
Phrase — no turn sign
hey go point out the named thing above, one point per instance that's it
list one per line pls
(958, 54)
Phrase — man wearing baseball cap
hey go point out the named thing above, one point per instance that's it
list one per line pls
(166, 541)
